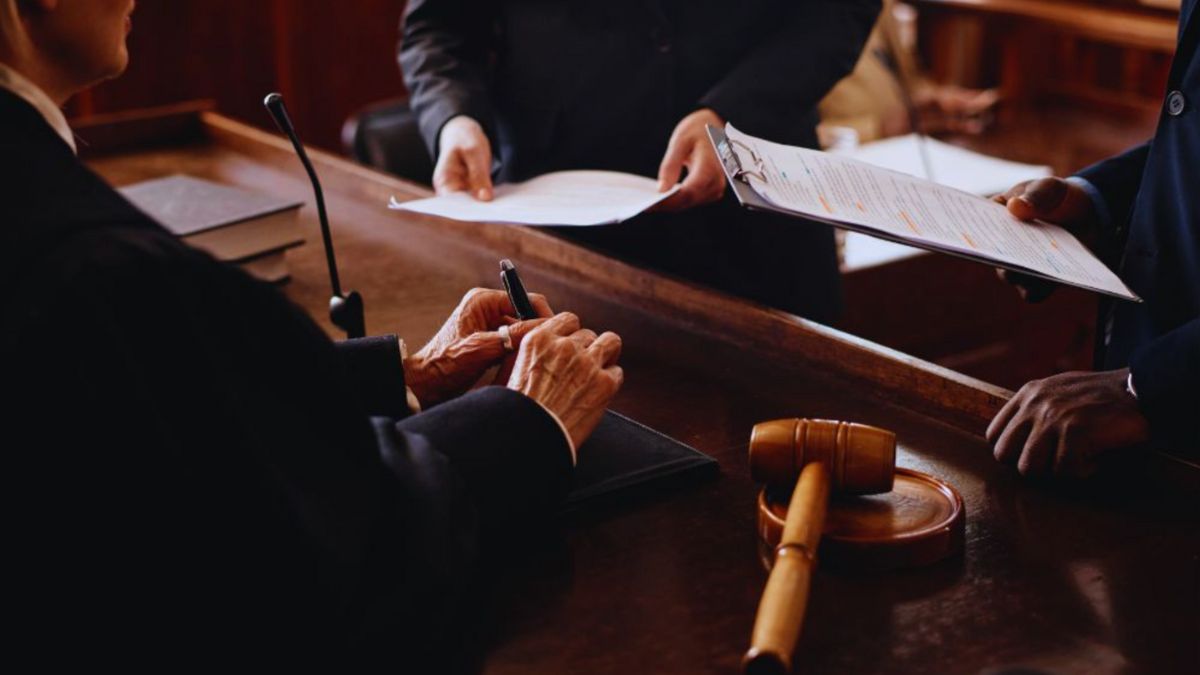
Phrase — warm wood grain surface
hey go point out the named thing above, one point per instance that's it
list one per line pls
(1103, 579)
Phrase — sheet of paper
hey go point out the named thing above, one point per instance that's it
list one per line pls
(954, 166)
(574, 198)
(896, 205)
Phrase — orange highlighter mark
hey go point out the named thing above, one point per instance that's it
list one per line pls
(911, 225)
(860, 207)
(968, 240)
(824, 203)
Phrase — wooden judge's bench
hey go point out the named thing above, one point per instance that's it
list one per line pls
(1099, 579)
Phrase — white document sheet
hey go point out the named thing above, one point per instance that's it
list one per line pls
(898, 206)
(575, 198)
(954, 166)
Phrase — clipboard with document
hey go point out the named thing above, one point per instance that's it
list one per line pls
(905, 209)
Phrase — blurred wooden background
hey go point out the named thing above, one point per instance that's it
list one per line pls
(327, 57)
(330, 58)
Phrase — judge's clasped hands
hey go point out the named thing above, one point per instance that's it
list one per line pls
(570, 370)
(464, 162)
(1063, 424)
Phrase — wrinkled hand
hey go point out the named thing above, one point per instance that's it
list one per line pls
(464, 161)
(1063, 424)
(690, 148)
(1052, 200)
(570, 371)
(469, 344)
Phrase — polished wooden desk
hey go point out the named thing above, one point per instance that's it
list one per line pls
(1078, 581)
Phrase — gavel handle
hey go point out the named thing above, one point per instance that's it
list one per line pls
(781, 610)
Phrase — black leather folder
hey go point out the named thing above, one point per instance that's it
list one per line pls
(623, 457)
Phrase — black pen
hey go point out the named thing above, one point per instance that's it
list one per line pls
(516, 291)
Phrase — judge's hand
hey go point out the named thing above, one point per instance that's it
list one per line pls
(1063, 424)
(469, 344)
(1051, 200)
(464, 162)
(571, 371)
(690, 148)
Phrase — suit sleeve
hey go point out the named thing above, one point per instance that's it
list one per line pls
(816, 44)
(444, 50)
(155, 376)
(1166, 375)
(509, 452)
(1117, 181)
(375, 369)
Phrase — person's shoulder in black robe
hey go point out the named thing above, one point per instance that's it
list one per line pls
(196, 472)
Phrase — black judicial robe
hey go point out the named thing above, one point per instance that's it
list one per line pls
(581, 84)
(1152, 194)
(195, 473)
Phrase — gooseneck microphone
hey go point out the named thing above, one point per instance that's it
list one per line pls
(345, 310)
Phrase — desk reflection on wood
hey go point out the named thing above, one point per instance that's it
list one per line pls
(1073, 580)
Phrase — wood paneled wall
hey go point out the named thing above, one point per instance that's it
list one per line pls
(328, 57)
(1107, 54)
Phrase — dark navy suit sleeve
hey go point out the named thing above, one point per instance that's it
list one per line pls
(444, 51)
(1166, 375)
(1117, 179)
(816, 43)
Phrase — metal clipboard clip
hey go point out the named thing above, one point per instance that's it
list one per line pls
(730, 157)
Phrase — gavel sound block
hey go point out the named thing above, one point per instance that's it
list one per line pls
(921, 522)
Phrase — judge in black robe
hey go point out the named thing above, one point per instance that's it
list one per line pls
(196, 473)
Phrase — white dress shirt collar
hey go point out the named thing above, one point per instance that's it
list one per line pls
(32, 94)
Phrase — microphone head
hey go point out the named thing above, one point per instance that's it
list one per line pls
(346, 312)
(277, 109)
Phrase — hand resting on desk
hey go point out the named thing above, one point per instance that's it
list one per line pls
(1063, 424)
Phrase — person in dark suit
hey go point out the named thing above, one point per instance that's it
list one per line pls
(1140, 212)
(195, 472)
(521, 88)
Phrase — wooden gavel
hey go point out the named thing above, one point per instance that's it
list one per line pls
(849, 458)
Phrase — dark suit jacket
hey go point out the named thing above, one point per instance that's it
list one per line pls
(1152, 194)
(600, 85)
(194, 471)
(585, 84)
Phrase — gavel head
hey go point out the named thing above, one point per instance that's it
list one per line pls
(861, 459)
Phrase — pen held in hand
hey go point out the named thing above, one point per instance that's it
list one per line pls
(516, 291)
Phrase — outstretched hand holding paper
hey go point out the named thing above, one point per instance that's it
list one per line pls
(899, 207)
(574, 198)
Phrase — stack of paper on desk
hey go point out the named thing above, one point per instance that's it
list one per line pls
(575, 198)
(896, 206)
(951, 165)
